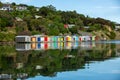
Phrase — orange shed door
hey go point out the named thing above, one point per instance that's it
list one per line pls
(33, 46)
(33, 39)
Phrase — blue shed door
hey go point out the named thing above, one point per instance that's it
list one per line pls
(39, 39)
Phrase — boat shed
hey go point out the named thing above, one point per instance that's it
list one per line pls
(22, 39)
(75, 38)
(68, 38)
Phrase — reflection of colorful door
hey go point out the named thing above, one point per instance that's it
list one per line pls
(75, 45)
(55, 45)
(39, 45)
(45, 45)
(42, 45)
(60, 45)
(33, 46)
(68, 45)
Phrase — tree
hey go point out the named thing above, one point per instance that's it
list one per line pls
(74, 29)
(13, 4)
(6, 19)
(32, 10)
(21, 26)
(1, 4)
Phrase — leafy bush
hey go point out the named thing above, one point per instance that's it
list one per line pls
(7, 36)
(112, 35)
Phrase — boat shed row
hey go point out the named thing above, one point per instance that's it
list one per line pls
(39, 38)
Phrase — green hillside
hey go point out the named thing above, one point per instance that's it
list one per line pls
(50, 21)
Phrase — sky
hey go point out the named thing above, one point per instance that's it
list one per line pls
(107, 9)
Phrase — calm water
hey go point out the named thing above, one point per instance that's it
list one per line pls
(61, 61)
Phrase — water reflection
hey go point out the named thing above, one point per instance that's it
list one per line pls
(23, 61)
(54, 45)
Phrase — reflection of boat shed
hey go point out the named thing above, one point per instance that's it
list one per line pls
(68, 45)
(60, 45)
(54, 45)
(69, 56)
(43, 46)
(5, 77)
(22, 76)
(117, 52)
(87, 45)
(22, 47)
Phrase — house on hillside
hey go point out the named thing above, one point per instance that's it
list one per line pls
(21, 7)
(37, 8)
(18, 19)
(117, 27)
(37, 17)
(69, 25)
(6, 7)
(86, 27)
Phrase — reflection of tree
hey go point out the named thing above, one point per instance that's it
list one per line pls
(50, 61)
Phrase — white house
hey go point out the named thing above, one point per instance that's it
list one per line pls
(86, 27)
(6, 7)
(117, 26)
(21, 7)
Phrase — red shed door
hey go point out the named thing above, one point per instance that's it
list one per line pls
(66, 38)
(80, 39)
(46, 39)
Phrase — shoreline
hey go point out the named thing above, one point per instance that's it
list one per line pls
(7, 43)
(13, 42)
